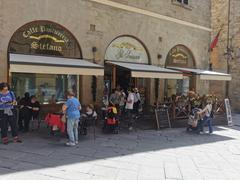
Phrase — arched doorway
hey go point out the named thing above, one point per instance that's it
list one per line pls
(126, 49)
(180, 56)
(43, 41)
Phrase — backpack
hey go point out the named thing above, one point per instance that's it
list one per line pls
(212, 114)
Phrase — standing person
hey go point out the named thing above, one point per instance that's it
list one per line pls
(207, 119)
(122, 102)
(129, 108)
(35, 105)
(137, 101)
(7, 117)
(25, 113)
(72, 108)
(115, 98)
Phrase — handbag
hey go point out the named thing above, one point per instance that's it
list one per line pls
(63, 118)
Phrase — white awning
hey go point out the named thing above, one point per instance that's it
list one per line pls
(205, 74)
(148, 71)
(53, 65)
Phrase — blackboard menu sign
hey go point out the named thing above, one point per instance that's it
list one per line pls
(162, 117)
(228, 112)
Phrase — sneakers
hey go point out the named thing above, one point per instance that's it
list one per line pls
(70, 144)
(76, 142)
(209, 132)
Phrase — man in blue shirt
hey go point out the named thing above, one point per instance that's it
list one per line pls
(72, 108)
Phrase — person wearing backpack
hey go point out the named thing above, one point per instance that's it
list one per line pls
(7, 114)
(207, 113)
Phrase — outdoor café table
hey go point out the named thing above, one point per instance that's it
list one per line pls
(54, 121)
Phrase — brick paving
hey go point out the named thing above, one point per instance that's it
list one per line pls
(170, 154)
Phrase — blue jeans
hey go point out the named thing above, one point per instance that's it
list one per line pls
(72, 129)
(208, 121)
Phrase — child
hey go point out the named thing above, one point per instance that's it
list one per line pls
(90, 112)
(111, 114)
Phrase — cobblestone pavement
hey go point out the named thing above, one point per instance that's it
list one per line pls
(170, 154)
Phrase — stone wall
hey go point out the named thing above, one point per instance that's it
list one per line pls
(220, 19)
(159, 36)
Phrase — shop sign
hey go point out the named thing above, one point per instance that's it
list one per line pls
(178, 56)
(126, 49)
(45, 38)
(41, 32)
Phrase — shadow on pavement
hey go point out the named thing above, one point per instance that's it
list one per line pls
(41, 150)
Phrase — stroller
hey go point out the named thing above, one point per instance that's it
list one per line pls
(111, 123)
(194, 121)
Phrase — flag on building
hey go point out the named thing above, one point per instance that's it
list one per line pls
(215, 41)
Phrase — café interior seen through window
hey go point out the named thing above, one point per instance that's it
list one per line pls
(47, 88)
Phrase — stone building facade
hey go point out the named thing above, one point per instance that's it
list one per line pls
(218, 56)
(159, 25)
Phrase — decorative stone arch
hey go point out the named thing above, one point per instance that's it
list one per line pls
(127, 48)
(180, 56)
(45, 38)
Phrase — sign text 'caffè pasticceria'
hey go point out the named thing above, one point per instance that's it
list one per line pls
(44, 38)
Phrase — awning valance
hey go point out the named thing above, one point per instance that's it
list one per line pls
(53, 65)
(148, 71)
(205, 74)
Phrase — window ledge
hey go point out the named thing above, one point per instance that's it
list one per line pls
(182, 5)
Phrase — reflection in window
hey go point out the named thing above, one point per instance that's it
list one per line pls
(48, 88)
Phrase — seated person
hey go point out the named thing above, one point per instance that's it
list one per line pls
(90, 112)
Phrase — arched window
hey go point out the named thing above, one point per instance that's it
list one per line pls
(180, 56)
(127, 49)
(44, 38)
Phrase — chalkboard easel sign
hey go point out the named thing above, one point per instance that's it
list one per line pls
(228, 112)
(162, 118)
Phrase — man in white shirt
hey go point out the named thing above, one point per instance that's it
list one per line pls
(129, 108)
(137, 101)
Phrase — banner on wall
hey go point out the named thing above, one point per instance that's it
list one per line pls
(127, 49)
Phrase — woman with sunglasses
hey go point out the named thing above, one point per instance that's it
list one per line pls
(7, 117)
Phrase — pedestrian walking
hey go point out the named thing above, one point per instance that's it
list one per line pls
(72, 108)
(7, 116)
(207, 119)
(129, 108)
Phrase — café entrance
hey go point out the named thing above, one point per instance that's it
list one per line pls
(181, 57)
(45, 60)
